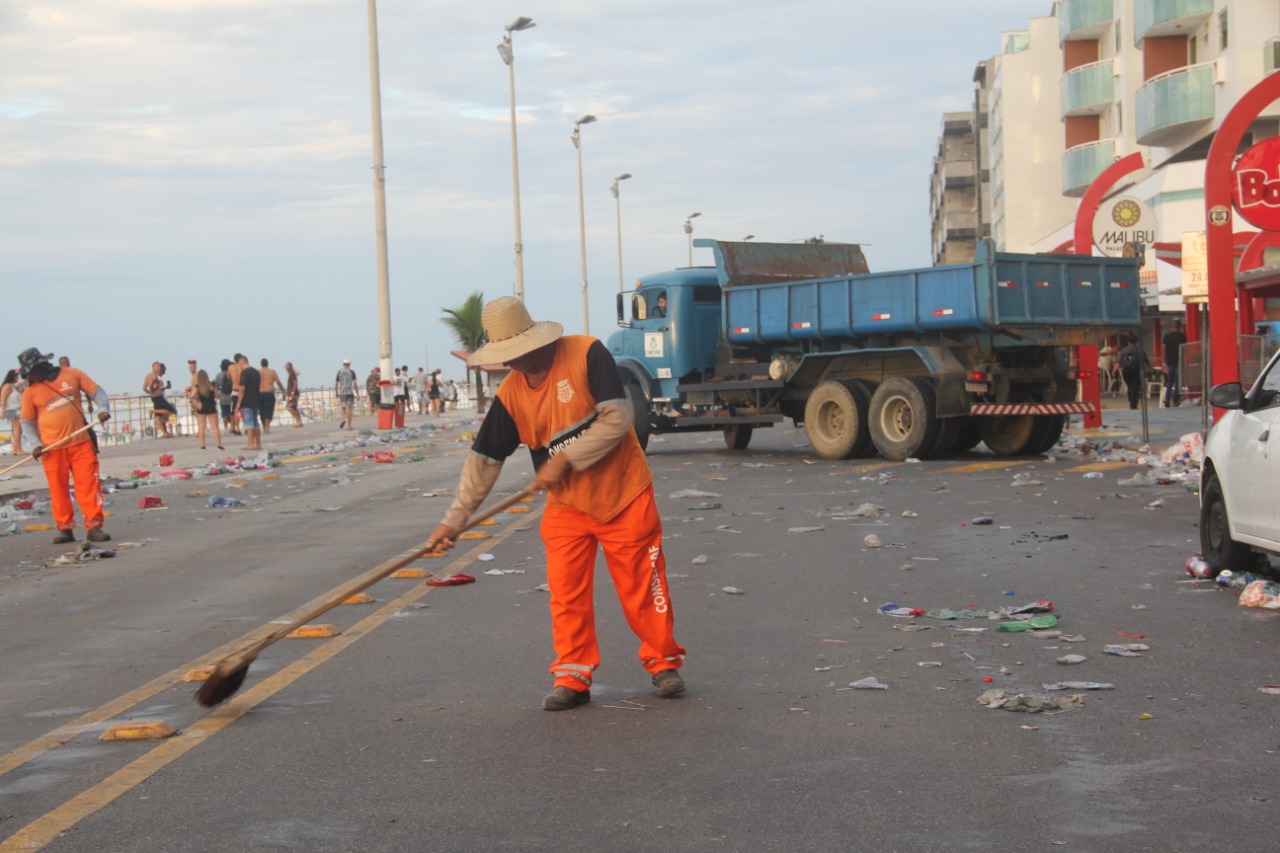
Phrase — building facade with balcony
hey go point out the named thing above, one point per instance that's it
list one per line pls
(1149, 76)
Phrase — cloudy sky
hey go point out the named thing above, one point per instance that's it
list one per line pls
(188, 178)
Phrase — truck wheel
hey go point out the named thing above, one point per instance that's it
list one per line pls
(1047, 431)
(835, 420)
(1009, 435)
(903, 423)
(738, 436)
(1217, 547)
(970, 436)
(948, 434)
(639, 413)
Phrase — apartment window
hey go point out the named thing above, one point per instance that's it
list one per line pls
(1222, 30)
(1191, 51)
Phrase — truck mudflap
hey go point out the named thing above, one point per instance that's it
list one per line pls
(1006, 409)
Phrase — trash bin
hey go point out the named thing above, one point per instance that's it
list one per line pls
(400, 407)
(386, 404)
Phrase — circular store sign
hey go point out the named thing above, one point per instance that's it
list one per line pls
(1255, 185)
(1121, 222)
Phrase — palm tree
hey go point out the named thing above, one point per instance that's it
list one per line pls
(465, 323)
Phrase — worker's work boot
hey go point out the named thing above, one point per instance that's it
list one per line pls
(63, 537)
(562, 699)
(97, 534)
(669, 683)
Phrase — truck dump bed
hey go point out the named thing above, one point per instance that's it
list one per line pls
(998, 293)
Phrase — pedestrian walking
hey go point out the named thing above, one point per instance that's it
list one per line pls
(1173, 341)
(11, 404)
(291, 393)
(1134, 365)
(564, 400)
(51, 416)
(204, 401)
(154, 386)
(344, 387)
(249, 404)
(267, 402)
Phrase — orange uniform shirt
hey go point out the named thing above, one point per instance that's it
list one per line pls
(552, 416)
(55, 406)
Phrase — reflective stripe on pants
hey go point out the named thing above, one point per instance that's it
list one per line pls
(78, 463)
(632, 544)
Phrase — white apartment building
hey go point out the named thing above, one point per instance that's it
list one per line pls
(1097, 80)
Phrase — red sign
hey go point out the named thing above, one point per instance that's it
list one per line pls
(1255, 185)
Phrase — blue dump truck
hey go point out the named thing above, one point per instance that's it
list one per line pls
(915, 363)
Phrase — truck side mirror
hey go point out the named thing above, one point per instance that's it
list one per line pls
(623, 321)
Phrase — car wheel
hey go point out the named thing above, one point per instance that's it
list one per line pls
(1217, 547)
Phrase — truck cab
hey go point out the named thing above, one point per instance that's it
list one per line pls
(670, 325)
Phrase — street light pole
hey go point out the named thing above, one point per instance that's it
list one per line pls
(617, 203)
(508, 56)
(688, 229)
(379, 196)
(582, 219)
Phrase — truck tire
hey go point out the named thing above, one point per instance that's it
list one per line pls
(970, 436)
(903, 419)
(1217, 547)
(1008, 435)
(948, 434)
(639, 413)
(835, 420)
(738, 436)
(1047, 431)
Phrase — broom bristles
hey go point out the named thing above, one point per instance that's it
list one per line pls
(219, 687)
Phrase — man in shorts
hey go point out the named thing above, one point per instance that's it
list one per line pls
(249, 403)
(344, 387)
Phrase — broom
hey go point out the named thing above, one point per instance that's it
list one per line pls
(24, 460)
(229, 674)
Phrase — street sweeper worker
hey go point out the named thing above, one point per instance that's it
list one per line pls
(564, 399)
(50, 415)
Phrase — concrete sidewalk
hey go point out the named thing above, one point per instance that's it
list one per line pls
(118, 461)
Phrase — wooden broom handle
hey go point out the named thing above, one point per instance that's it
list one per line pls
(62, 440)
(378, 573)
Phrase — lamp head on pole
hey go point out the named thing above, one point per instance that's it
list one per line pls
(587, 119)
(748, 237)
(521, 23)
(688, 222)
(614, 188)
(504, 50)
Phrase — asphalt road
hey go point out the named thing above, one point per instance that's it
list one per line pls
(419, 725)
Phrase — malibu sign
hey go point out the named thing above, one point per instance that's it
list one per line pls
(1120, 222)
(1255, 185)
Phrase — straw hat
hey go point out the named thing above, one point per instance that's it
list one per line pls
(511, 332)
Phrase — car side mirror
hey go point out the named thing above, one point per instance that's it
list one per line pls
(1228, 395)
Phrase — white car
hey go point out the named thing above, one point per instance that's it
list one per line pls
(1239, 500)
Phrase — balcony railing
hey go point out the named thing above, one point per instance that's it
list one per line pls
(1168, 17)
(1083, 163)
(1084, 18)
(1166, 105)
(1017, 42)
(1088, 89)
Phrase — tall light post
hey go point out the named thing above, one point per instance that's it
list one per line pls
(582, 219)
(617, 203)
(688, 229)
(509, 57)
(379, 196)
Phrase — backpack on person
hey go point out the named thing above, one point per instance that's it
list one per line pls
(1129, 360)
(225, 386)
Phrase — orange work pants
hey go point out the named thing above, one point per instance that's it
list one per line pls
(632, 543)
(62, 465)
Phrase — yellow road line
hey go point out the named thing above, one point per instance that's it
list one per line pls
(1098, 466)
(35, 834)
(993, 465)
